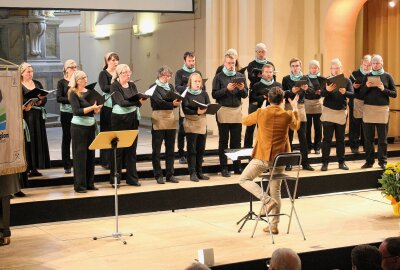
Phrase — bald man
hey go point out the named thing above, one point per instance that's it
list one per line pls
(284, 259)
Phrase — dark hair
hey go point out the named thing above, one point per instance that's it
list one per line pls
(108, 58)
(366, 257)
(268, 66)
(393, 245)
(189, 53)
(275, 95)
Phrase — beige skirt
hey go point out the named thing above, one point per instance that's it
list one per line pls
(313, 106)
(195, 124)
(228, 115)
(334, 116)
(163, 119)
(375, 114)
(302, 112)
(358, 108)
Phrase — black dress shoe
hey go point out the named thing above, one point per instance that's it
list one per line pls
(288, 168)
(367, 165)
(238, 171)
(194, 178)
(20, 194)
(113, 186)
(81, 191)
(34, 173)
(160, 180)
(307, 167)
(182, 160)
(317, 152)
(324, 167)
(93, 188)
(343, 166)
(172, 179)
(67, 171)
(383, 166)
(135, 183)
(225, 173)
(202, 176)
(355, 151)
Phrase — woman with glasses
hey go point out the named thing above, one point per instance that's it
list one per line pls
(111, 60)
(83, 128)
(66, 113)
(125, 116)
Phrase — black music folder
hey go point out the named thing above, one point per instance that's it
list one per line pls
(299, 83)
(212, 108)
(91, 86)
(171, 96)
(34, 93)
(238, 80)
(93, 96)
(256, 71)
(138, 96)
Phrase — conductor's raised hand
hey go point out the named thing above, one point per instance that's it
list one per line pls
(293, 102)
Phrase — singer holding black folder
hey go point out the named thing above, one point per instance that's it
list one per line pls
(125, 116)
(83, 128)
(38, 156)
(195, 125)
(66, 113)
(297, 84)
(334, 116)
(111, 60)
(229, 94)
(163, 125)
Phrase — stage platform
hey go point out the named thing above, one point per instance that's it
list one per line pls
(170, 240)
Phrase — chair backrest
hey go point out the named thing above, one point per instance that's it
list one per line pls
(285, 159)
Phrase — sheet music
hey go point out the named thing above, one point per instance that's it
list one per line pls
(150, 91)
(240, 153)
(184, 92)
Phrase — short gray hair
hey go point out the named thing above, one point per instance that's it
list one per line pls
(232, 52)
(261, 47)
(367, 57)
(336, 61)
(314, 62)
(377, 58)
(285, 259)
(164, 70)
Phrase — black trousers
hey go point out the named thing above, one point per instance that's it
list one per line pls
(196, 145)
(329, 129)
(65, 119)
(127, 121)
(248, 137)
(234, 131)
(369, 136)
(356, 134)
(302, 135)
(105, 125)
(5, 216)
(314, 120)
(82, 137)
(181, 138)
(158, 136)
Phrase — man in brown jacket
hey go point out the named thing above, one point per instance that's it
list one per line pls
(273, 123)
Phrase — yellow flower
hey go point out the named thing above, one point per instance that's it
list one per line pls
(389, 166)
(389, 172)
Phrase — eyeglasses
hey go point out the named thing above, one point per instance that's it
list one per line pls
(126, 72)
(72, 67)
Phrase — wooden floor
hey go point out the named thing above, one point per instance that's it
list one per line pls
(170, 240)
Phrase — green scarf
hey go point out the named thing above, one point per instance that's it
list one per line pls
(163, 85)
(363, 72)
(190, 70)
(194, 91)
(265, 82)
(297, 77)
(229, 73)
(378, 72)
(313, 76)
(263, 61)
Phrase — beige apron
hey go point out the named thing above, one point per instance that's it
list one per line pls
(358, 108)
(163, 119)
(313, 106)
(334, 116)
(229, 115)
(302, 112)
(375, 114)
(195, 124)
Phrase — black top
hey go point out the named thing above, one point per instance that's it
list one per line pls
(62, 91)
(335, 100)
(26, 90)
(122, 94)
(158, 101)
(105, 81)
(221, 94)
(253, 64)
(79, 103)
(316, 86)
(360, 78)
(202, 98)
(256, 94)
(374, 95)
(180, 81)
(287, 85)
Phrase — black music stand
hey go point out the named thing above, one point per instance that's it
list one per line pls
(114, 140)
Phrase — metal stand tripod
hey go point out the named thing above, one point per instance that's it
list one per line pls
(118, 235)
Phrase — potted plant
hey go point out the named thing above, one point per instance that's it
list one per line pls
(390, 181)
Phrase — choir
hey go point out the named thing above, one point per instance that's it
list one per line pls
(323, 108)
